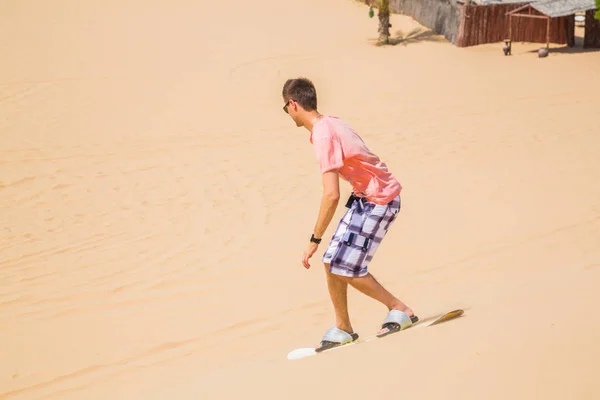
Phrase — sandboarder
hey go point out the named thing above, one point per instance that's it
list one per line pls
(372, 207)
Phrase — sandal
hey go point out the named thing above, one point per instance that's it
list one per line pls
(395, 321)
(335, 337)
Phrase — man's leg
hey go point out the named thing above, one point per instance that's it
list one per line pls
(338, 291)
(372, 288)
(347, 259)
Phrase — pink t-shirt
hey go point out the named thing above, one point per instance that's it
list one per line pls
(339, 147)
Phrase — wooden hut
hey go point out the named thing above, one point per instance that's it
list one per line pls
(553, 10)
(473, 22)
(491, 21)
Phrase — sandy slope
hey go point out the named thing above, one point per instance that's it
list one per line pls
(156, 202)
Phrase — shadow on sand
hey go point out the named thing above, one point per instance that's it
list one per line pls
(577, 49)
(568, 50)
(417, 35)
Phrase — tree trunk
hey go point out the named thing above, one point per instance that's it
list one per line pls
(384, 22)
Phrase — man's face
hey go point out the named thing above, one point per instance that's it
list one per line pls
(291, 108)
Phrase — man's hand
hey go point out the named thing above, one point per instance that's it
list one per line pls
(312, 248)
(329, 201)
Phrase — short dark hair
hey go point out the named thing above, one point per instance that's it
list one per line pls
(302, 91)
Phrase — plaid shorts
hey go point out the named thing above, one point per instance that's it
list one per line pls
(358, 235)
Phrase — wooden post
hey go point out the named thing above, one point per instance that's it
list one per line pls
(591, 38)
(548, 33)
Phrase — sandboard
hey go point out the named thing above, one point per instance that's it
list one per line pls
(311, 351)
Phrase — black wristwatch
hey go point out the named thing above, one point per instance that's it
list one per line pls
(314, 239)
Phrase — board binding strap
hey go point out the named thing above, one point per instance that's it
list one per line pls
(326, 346)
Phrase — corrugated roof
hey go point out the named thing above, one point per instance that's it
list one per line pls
(487, 2)
(561, 8)
(551, 8)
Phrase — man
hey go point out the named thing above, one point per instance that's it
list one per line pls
(372, 207)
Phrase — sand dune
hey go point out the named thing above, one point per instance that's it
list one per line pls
(156, 202)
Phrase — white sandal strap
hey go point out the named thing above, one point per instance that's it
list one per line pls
(399, 317)
(337, 335)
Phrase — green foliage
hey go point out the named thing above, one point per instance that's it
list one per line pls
(598, 10)
(383, 5)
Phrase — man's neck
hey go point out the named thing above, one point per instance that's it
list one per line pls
(312, 118)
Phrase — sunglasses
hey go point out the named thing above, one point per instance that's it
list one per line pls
(285, 107)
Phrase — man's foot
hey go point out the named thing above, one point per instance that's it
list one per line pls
(402, 307)
(397, 320)
(346, 328)
(336, 337)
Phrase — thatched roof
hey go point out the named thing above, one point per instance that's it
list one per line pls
(551, 8)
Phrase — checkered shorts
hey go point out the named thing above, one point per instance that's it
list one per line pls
(358, 235)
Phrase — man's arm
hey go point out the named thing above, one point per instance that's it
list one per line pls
(329, 202)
